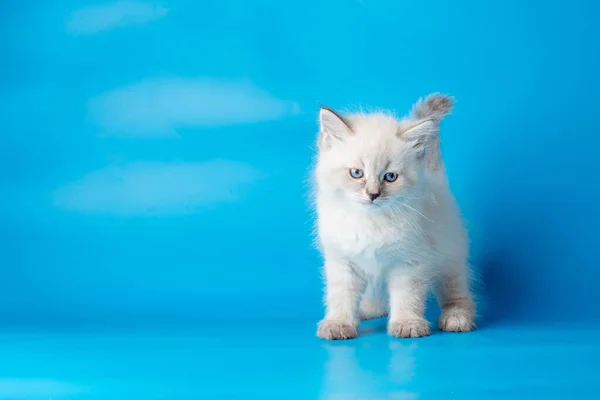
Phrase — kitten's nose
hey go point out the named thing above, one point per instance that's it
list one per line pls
(373, 196)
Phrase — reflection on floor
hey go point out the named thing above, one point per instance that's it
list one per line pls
(288, 362)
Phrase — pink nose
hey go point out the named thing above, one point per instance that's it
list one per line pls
(373, 196)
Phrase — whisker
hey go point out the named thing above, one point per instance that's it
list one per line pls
(417, 211)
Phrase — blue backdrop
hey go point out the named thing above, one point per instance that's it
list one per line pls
(153, 156)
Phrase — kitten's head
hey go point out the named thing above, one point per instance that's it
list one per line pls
(374, 160)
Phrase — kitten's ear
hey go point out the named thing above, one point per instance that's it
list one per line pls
(417, 133)
(433, 107)
(422, 127)
(424, 138)
(332, 127)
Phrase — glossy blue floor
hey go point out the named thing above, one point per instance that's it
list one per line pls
(287, 361)
(155, 232)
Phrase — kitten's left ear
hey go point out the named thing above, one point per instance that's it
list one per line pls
(417, 133)
(423, 124)
(332, 127)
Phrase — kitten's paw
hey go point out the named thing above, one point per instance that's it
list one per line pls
(370, 309)
(409, 328)
(336, 330)
(457, 320)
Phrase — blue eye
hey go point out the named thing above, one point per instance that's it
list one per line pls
(390, 176)
(356, 173)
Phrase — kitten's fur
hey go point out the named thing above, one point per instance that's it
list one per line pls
(383, 256)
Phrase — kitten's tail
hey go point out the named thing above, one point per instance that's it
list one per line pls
(433, 107)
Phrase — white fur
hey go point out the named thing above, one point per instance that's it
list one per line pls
(382, 257)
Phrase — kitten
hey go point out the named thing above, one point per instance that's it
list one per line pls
(388, 225)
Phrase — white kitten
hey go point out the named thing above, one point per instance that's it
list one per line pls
(388, 225)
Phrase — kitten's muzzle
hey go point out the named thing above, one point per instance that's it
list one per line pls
(373, 196)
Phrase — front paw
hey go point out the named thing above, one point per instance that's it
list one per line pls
(409, 328)
(336, 330)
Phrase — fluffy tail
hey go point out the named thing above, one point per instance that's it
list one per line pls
(433, 107)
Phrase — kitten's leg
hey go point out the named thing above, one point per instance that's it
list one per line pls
(344, 288)
(456, 300)
(408, 295)
(374, 303)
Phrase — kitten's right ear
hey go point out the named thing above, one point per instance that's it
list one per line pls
(332, 127)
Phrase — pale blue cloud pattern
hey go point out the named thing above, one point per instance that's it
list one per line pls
(143, 188)
(159, 106)
(97, 18)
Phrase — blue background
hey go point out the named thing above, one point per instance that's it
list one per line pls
(154, 157)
